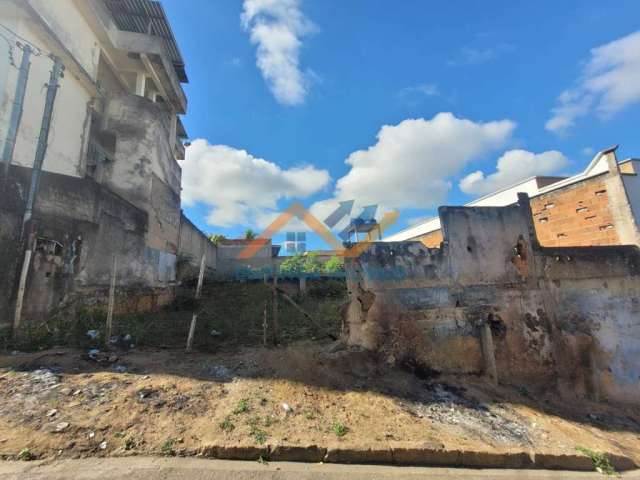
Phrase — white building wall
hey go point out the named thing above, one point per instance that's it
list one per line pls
(69, 126)
(632, 187)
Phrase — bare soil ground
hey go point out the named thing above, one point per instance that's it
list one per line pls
(60, 403)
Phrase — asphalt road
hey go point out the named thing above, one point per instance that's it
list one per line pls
(150, 468)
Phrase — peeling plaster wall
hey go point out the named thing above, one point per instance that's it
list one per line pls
(80, 226)
(563, 318)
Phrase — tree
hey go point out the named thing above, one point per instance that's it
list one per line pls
(292, 264)
(311, 263)
(334, 264)
(250, 235)
(216, 238)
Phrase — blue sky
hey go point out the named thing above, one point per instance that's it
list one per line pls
(282, 96)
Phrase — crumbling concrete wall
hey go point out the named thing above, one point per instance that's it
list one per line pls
(193, 244)
(80, 226)
(558, 317)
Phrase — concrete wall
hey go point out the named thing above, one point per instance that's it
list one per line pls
(69, 125)
(193, 244)
(80, 226)
(559, 318)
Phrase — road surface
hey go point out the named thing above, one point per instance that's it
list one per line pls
(150, 468)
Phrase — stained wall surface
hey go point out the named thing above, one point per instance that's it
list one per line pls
(562, 318)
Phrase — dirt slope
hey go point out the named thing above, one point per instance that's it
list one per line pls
(62, 404)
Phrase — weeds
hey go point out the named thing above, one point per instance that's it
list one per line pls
(600, 461)
(25, 455)
(339, 429)
(242, 407)
(167, 447)
(130, 444)
(259, 435)
(227, 425)
(309, 415)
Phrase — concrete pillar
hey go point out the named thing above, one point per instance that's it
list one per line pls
(488, 353)
(619, 205)
(141, 81)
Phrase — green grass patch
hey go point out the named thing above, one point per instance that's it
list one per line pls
(600, 461)
(339, 429)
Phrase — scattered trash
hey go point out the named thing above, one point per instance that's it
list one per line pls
(93, 353)
(52, 412)
(215, 333)
(93, 334)
(287, 408)
(61, 427)
(77, 392)
(103, 445)
(120, 368)
(92, 434)
(219, 373)
(122, 342)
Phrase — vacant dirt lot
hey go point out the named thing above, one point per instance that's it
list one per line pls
(64, 404)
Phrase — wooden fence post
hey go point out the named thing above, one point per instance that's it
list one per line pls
(21, 288)
(264, 324)
(192, 327)
(112, 296)
(274, 300)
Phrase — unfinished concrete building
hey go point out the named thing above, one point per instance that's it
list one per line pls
(598, 206)
(490, 300)
(110, 182)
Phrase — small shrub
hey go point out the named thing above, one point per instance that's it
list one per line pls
(339, 429)
(227, 425)
(167, 447)
(25, 455)
(259, 435)
(600, 461)
(130, 444)
(242, 407)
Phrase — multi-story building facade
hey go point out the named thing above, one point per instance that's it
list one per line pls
(111, 177)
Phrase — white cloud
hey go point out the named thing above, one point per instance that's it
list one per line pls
(477, 56)
(415, 94)
(277, 27)
(240, 188)
(610, 82)
(411, 163)
(513, 166)
(587, 151)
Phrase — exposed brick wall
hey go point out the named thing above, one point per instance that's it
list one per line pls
(431, 239)
(577, 215)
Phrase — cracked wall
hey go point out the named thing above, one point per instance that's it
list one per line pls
(561, 318)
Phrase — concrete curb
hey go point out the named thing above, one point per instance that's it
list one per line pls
(415, 456)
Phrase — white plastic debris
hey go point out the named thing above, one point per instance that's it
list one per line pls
(62, 426)
(93, 334)
(103, 445)
(92, 434)
(52, 412)
(287, 408)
